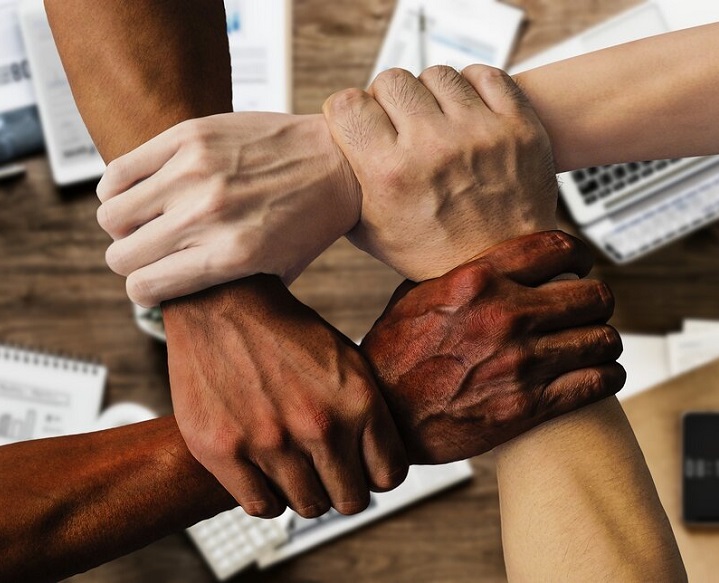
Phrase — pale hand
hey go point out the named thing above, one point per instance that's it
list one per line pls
(216, 199)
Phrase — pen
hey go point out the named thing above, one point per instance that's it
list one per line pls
(12, 171)
(422, 33)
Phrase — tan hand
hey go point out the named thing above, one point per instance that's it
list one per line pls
(449, 165)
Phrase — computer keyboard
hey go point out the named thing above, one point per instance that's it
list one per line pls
(233, 540)
(660, 223)
(599, 182)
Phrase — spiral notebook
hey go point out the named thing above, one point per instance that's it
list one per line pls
(44, 395)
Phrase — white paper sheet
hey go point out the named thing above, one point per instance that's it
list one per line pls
(645, 359)
(691, 350)
(260, 37)
(46, 396)
(458, 33)
(15, 85)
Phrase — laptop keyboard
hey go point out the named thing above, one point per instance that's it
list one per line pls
(599, 182)
(661, 223)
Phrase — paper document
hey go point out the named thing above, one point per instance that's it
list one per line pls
(47, 396)
(646, 361)
(651, 360)
(457, 33)
(20, 131)
(260, 35)
(690, 350)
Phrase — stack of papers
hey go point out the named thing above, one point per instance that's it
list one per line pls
(651, 360)
(457, 33)
(20, 131)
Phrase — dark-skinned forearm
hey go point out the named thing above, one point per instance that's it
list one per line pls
(83, 500)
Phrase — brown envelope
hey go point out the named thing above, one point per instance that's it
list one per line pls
(656, 417)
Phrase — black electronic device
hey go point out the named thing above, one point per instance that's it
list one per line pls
(700, 470)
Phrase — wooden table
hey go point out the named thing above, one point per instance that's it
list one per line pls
(55, 291)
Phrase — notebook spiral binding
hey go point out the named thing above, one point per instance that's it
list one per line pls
(38, 357)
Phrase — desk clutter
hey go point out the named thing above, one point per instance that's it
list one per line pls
(653, 359)
(457, 33)
(37, 107)
(45, 395)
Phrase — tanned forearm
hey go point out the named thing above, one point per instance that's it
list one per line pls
(578, 504)
(72, 503)
(621, 104)
(134, 69)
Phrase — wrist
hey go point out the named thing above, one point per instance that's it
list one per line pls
(343, 188)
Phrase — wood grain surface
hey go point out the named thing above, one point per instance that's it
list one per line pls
(55, 291)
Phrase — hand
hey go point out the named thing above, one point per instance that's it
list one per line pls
(220, 198)
(277, 404)
(494, 348)
(449, 165)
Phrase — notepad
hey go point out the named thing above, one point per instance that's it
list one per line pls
(44, 395)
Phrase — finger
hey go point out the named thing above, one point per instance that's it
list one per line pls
(581, 387)
(451, 90)
(575, 349)
(404, 98)
(340, 469)
(177, 275)
(295, 478)
(497, 89)
(383, 451)
(144, 161)
(150, 243)
(569, 304)
(252, 491)
(540, 257)
(121, 215)
(359, 126)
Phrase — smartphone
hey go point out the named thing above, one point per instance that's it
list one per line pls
(700, 491)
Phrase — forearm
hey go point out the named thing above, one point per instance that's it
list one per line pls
(621, 104)
(137, 68)
(578, 504)
(83, 500)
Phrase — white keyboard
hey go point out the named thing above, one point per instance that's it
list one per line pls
(233, 540)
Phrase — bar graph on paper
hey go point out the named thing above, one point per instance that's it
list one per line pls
(259, 38)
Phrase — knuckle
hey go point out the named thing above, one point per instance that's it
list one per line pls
(469, 281)
(605, 297)
(353, 505)
(593, 381)
(394, 84)
(192, 131)
(141, 290)
(262, 508)
(312, 509)
(319, 428)
(483, 73)
(390, 479)
(273, 438)
(439, 73)
(116, 260)
(340, 102)
(610, 338)
(105, 219)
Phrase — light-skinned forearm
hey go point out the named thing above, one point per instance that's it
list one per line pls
(646, 100)
(72, 503)
(578, 504)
